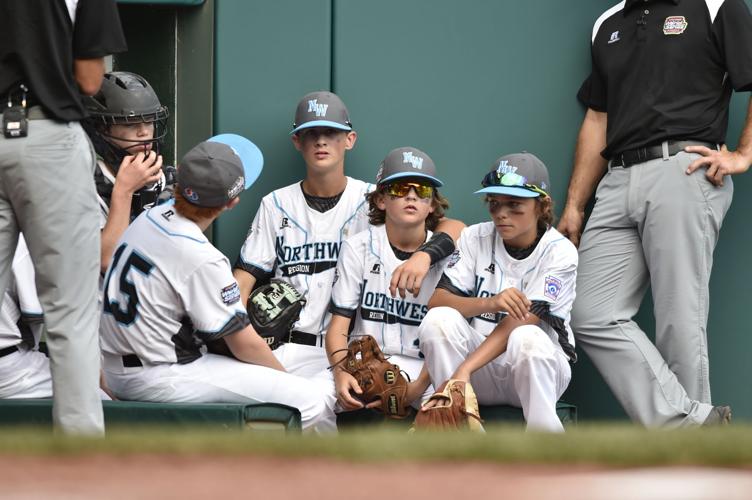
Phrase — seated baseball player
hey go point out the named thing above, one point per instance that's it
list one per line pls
(168, 290)
(298, 230)
(402, 211)
(499, 317)
(24, 369)
(126, 125)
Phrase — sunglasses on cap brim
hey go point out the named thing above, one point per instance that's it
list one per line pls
(510, 179)
(402, 188)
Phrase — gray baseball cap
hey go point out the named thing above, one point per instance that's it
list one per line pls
(321, 109)
(407, 162)
(520, 174)
(219, 169)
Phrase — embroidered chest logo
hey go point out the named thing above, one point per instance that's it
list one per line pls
(552, 287)
(614, 37)
(675, 25)
(168, 214)
(315, 107)
(415, 161)
(492, 268)
(376, 269)
(285, 223)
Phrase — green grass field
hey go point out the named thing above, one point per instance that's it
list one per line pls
(610, 445)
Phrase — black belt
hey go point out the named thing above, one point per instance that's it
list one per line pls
(131, 361)
(303, 338)
(8, 350)
(640, 155)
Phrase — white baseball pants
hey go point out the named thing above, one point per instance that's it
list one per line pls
(532, 373)
(218, 379)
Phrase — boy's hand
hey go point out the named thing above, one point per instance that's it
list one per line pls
(344, 383)
(138, 171)
(513, 302)
(408, 277)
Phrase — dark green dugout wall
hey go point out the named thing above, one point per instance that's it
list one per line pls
(464, 81)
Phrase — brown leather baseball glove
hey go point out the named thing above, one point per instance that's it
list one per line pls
(377, 377)
(456, 409)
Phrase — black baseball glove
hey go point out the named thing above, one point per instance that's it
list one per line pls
(273, 309)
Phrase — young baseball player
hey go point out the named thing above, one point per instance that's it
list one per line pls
(500, 315)
(402, 211)
(298, 230)
(168, 290)
(126, 125)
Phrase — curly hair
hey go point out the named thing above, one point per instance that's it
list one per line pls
(376, 216)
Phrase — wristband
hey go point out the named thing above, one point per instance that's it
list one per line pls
(439, 247)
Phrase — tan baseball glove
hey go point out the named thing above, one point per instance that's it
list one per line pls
(456, 408)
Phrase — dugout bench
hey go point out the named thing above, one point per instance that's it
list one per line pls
(490, 414)
(266, 417)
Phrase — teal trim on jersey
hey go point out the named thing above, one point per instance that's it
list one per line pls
(153, 221)
(240, 317)
(270, 270)
(355, 212)
(305, 242)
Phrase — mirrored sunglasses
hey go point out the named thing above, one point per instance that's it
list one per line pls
(510, 179)
(401, 189)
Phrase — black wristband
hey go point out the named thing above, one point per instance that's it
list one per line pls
(439, 247)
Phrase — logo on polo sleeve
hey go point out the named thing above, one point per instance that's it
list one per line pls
(675, 25)
(552, 287)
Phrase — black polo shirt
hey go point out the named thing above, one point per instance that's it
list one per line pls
(39, 41)
(664, 69)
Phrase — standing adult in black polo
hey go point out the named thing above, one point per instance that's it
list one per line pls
(657, 99)
(50, 52)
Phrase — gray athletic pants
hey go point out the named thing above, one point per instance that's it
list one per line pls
(47, 192)
(651, 224)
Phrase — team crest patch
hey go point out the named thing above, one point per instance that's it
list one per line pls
(190, 194)
(453, 259)
(675, 25)
(552, 287)
(230, 294)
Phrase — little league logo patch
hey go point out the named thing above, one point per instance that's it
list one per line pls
(230, 294)
(675, 25)
(454, 258)
(552, 287)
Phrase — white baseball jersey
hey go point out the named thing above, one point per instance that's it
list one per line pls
(361, 288)
(481, 267)
(166, 288)
(301, 245)
(20, 300)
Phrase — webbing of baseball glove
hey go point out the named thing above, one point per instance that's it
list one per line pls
(456, 409)
(377, 377)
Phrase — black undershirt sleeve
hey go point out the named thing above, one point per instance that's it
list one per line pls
(542, 309)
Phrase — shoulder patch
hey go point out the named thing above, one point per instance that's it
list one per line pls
(552, 287)
(230, 294)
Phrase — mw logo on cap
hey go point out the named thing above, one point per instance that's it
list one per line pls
(415, 161)
(315, 107)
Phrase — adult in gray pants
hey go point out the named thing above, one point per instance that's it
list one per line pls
(48, 50)
(657, 98)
